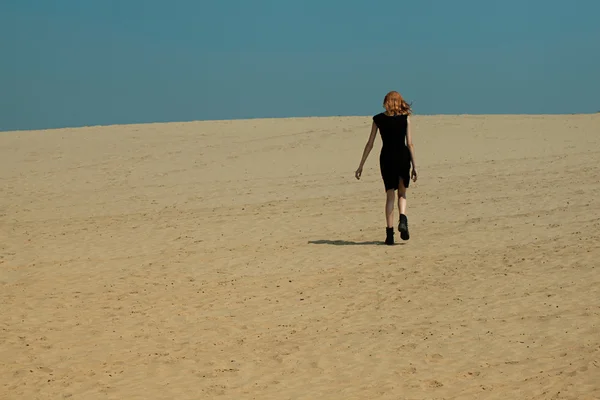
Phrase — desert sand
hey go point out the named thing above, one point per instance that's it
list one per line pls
(243, 260)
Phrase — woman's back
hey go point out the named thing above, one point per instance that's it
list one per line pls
(392, 129)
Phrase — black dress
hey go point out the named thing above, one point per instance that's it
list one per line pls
(394, 159)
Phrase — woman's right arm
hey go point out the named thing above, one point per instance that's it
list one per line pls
(411, 148)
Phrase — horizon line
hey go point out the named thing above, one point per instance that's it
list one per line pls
(283, 118)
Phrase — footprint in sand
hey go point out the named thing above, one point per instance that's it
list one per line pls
(410, 371)
(435, 384)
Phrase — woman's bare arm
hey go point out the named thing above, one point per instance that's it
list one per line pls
(411, 148)
(367, 150)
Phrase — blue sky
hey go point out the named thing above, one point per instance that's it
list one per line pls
(75, 63)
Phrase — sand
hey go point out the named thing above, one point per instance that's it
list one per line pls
(243, 260)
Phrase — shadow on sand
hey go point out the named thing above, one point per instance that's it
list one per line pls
(348, 243)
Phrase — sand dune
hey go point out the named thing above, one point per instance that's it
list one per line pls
(242, 260)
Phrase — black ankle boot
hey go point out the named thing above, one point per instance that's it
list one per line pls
(403, 227)
(389, 236)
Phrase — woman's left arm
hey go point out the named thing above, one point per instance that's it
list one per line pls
(367, 150)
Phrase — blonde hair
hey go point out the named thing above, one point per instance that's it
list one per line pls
(394, 104)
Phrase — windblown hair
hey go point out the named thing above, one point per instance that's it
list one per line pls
(394, 104)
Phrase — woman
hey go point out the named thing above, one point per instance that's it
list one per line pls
(397, 154)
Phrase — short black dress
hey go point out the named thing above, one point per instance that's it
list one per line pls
(394, 159)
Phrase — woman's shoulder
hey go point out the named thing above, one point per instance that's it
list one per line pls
(384, 115)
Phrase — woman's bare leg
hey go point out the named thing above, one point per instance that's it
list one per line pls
(389, 208)
(403, 221)
(401, 198)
